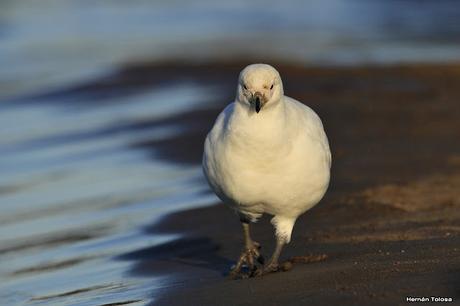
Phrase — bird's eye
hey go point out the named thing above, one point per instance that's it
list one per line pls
(244, 86)
(271, 87)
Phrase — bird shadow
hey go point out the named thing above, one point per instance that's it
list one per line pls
(195, 252)
(179, 257)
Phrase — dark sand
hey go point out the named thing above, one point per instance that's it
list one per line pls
(390, 222)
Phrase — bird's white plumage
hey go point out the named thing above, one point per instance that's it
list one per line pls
(276, 161)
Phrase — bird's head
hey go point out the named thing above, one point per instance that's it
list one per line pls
(259, 86)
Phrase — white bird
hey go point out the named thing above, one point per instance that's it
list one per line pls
(266, 153)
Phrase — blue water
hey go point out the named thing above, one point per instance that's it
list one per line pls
(71, 204)
(74, 193)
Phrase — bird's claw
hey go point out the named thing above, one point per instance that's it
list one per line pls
(247, 260)
(270, 268)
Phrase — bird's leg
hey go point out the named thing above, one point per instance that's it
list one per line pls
(283, 230)
(249, 253)
(272, 265)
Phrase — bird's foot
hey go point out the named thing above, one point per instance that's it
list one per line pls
(245, 267)
(270, 268)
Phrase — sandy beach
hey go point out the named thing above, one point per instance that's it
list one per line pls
(389, 226)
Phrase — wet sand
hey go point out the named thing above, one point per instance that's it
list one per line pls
(389, 226)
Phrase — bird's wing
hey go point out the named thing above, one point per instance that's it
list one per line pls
(220, 123)
(313, 124)
(211, 148)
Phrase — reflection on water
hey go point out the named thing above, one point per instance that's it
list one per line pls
(77, 184)
(72, 196)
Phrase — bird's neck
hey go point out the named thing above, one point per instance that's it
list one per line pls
(266, 128)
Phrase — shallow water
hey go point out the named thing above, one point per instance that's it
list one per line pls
(73, 198)
(75, 190)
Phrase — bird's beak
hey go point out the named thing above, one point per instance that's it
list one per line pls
(258, 100)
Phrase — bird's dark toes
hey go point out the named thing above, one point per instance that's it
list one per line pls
(246, 265)
(240, 273)
(270, 268)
